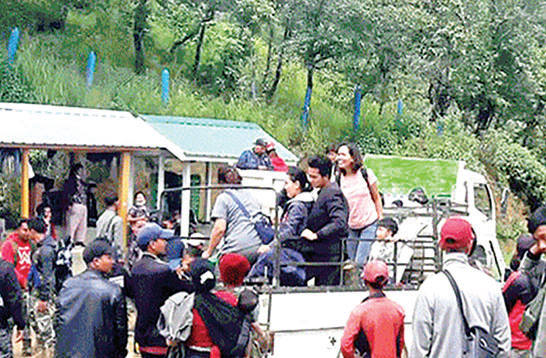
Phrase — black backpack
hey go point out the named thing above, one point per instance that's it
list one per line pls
(63, 262)
(229, 327)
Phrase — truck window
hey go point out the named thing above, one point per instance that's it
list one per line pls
(482, 200)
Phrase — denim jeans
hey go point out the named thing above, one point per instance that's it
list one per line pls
(358, 251)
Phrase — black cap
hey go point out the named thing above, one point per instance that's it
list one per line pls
(96, 249)
(525, 241)
(537, 218)
(390, 224)
(261, 141)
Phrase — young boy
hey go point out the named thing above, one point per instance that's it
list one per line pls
(383, 246)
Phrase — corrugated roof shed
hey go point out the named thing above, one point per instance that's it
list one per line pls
(44, 126)
(203, 139)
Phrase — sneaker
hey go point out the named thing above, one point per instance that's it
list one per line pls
(348, 265)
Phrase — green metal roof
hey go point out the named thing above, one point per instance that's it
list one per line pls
(207, 139)
(399, 175)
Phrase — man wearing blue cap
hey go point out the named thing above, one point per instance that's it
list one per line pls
(150, 284)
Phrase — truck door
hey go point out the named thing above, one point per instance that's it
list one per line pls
(482, 214)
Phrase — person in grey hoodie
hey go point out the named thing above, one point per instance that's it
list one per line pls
(438, 330)
(533, 265)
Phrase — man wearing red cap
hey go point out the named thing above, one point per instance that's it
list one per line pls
(375, 327)
(438, 329)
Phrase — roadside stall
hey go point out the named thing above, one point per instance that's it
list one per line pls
(78, 132)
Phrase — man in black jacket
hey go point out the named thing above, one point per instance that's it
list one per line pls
(41, 284)
(11, 299)
(92, 316)
(326, 225)
(150, 284)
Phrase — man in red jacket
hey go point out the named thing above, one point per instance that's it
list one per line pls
(376, 326)
(518, 291)
(17, 250)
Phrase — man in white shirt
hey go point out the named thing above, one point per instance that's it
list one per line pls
(438, 330)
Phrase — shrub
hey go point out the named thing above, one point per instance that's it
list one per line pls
(516, 166)
(14, 86)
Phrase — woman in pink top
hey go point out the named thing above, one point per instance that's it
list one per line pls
(359, 185)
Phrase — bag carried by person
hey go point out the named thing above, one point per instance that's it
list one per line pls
(480, 343)
(531, 315)
(175, 322)
(262, 223)
(63, 262)
(229, 327)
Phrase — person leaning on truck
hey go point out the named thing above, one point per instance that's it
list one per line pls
(375, 327)
(437, 322)
(232, 225)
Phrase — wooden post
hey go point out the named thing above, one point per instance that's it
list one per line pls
(25, 197)
(124, 191)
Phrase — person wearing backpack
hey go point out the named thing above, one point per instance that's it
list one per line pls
(41, 284)
(531, 264)
(520, 288)
(293, 222)
(441, 322)
(150, 283)
(359, 185)
(220, 328)
(375, 328)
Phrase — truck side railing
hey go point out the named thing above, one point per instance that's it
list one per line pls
(421, 263)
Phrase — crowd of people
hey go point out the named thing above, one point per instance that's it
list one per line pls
(181, 309)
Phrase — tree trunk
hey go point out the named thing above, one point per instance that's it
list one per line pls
(267, 70)
(310, 73)
(198, 47)
(141, 15)
(278, 72)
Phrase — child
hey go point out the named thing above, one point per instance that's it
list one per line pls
(383, 246)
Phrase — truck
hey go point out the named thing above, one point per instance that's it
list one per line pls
(420, 194)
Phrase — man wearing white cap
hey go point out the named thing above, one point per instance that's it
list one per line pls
(375, 327)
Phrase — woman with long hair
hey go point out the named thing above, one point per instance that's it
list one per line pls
(359, 185)
(293, 222)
